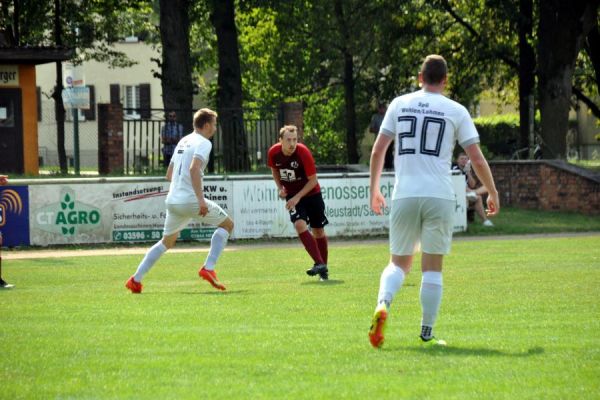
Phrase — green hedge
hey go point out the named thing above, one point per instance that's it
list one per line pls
(499, 134)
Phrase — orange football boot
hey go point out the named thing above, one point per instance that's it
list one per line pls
(135, 287)
(211, 277)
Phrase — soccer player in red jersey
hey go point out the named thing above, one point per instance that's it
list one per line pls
(295, 175)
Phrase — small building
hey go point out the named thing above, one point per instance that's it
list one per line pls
(19, 105)
(136, 87)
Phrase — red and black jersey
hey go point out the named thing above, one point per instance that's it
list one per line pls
(295, 169)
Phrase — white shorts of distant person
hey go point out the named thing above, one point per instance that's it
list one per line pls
(472, 197)
(180, 215)
(423, 223)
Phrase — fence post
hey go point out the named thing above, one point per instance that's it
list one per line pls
(110, 138)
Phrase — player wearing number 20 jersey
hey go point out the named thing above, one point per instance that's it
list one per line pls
(426, 127)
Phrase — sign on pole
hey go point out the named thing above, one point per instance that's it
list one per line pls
(73, 75)
(76, 97)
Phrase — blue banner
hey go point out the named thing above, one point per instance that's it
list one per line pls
(14, 215)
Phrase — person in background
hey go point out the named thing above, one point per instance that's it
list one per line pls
(295, 175)
(475, 190)
(170, 134)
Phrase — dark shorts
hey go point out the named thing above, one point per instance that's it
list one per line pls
(311, 209)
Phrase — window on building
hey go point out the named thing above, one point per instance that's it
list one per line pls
(132, 102)
(38, 93)
(90, 114)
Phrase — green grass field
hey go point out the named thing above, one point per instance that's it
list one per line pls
(513, 221)
(520, 318)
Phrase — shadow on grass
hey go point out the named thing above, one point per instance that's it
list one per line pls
(328, 282)
(197, 293)
(476, 351)
(217, 292)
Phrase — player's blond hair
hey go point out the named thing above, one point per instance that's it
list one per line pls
(287, 128)
(434, 69)
(203, 116)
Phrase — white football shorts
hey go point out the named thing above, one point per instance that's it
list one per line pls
(424, 221)
(180, 215)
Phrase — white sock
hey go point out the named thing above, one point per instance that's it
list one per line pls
(431, 297)
(390, 283)
(149, 259)
(217, 244)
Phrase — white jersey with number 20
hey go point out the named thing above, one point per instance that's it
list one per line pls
(189, 147)
(425, 127)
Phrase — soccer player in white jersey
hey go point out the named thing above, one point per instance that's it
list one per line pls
(185, 202)
(425, 126)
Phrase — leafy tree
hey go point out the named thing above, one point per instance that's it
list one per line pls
(553, 59)
(88, 26)
(317, 52)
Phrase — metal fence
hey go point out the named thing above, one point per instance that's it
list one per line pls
(47, 139)
(143, 146)
(141, 143)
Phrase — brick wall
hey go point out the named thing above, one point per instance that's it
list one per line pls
(293, 114)
(549, 185)
(110, 138)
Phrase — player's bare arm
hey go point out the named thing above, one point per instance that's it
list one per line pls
(196, 178)
(312, 182)
(277, 178)
(3, 179)
(376, 166)
(482, 169)
(169, 175)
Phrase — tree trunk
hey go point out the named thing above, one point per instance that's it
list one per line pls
(562, 27)
(526, 72)
(229, 87)
(592, 46)
(176, 76)
(350, 105)
(59, 107)
(349, 85)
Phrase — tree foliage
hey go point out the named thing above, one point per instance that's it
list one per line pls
(340, 58)
(88, 26)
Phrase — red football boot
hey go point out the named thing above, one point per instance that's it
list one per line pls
(211, 277)
(135, 287)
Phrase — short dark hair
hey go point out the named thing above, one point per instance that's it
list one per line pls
(203, 116)
(434, 69)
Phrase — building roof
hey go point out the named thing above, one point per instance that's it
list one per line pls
(34, 54)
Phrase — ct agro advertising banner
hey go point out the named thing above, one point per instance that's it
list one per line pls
(14, 215)
(113, 212)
